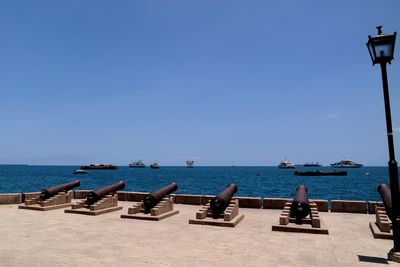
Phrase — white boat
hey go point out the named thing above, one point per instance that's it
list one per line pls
(137, 164)
(345, 163)
(286, 164)
(189, 163)
(154, 165)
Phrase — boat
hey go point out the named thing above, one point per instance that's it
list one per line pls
(285, 164)
(80, 171)
(137, 164)
(99, 167)
(154, 165)
(345, 163)
(312, 164)
(189, 163)
(321, 173)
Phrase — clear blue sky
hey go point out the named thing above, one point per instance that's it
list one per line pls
(219, 82)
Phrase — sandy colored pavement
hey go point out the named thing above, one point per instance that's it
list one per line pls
(54, 238)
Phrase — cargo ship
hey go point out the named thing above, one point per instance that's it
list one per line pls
(98, 167)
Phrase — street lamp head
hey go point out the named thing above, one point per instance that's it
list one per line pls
(381, 47)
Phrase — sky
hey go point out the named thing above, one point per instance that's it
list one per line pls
(248, 83)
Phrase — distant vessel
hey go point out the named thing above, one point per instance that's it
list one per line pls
(286, 164)
(99, 167)
(345, 163)
(189, 163)
(154, 165)
(137, 164)
(79, 171)
(321, 173)
(312, 164)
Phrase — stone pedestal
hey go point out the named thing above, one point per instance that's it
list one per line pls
(229, 218)
(107, 204)
(312, 225)
(164, 209)
(58, 201)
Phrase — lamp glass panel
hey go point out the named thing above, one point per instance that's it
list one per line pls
(371, 50)
(383, 50)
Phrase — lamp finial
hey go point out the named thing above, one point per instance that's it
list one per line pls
(379, 30)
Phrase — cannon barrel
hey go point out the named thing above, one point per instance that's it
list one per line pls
(96, 195)
(152, 199)
(51, 191)
(385, 192)
(219, 203)
(300, 207)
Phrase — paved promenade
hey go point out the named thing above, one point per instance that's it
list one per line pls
(54, 238)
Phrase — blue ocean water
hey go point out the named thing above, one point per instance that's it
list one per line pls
(359, 184)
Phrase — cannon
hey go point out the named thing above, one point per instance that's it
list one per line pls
(385, 192)
(300, 206)
(219, 203)
(152, 199)
(96, 195)
(52, 191)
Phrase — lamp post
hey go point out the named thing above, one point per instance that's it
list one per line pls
(381, 49)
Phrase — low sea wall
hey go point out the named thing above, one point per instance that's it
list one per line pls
(350, 206)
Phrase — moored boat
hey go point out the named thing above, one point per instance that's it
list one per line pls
(321, 173)
(286, 164)
(99, 167)
(345, 163)
(137, 164)
(154, 165)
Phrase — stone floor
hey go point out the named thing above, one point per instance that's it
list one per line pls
(54, 238)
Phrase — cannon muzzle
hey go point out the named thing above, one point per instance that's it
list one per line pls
(155, 197)
(300, 207)
(386, 195)
(52, 191)
(96, 195)
(219, 203)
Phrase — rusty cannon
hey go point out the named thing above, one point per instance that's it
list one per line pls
(152, 199)
(300, 206)
(386, 195)
(219, 203)
(52, 191)
(96, 195)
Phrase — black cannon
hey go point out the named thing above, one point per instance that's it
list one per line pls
(52, 191)
(219, 203)
(300, 207)
(155, 197)
(96, 195)
(386, 195)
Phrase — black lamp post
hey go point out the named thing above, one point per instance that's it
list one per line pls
(381, 49)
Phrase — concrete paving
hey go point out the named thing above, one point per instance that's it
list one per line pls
(54, 238)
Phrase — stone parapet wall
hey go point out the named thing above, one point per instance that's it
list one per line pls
(11, 198)
(350, 206)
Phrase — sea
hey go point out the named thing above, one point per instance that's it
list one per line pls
(359, 184)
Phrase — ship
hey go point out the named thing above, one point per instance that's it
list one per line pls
(137, 164)
(345, 163)
(154, 165)
(286, 164)
(98, 167)
(312, 164)
(189, 163)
